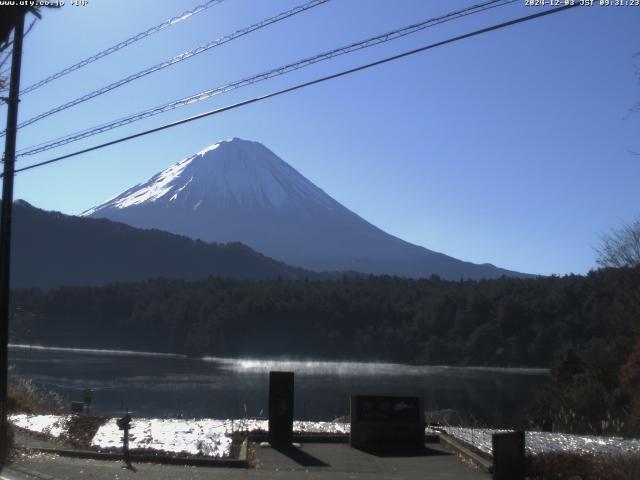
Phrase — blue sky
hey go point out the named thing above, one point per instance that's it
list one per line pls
(513, 148)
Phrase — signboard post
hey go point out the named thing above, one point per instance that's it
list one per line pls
(87, 394)
(77, 407)
(280, 408)
(124, 424)
(383, 422)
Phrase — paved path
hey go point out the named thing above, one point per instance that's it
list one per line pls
(26, 439)
(321, 461)
(342, 461)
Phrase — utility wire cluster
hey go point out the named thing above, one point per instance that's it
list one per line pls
(172, 61)
(282, 70)
(123, 44)
(394, 34)
(303, 85)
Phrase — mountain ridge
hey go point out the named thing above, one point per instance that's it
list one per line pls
(239, 190)
(51, 249)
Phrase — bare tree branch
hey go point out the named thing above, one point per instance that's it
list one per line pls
(30, 27)
(620, 247)
(6, 45)
(4, 58)
(12, 14)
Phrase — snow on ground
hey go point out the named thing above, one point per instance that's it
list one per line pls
(211, 437)
(54, 425)
(204, 436)
(196, 437)
(537, 443)
(299, 426)
(321, 427)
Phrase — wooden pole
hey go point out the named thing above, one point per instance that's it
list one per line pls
(5, 227)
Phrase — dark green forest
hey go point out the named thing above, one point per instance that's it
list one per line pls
(89, 251)
(584, 327)
(510, 322)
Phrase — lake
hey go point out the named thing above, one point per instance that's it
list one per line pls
(161, 385)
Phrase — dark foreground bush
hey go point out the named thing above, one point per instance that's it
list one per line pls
(557, 466)
(24, 396)
(82, 428)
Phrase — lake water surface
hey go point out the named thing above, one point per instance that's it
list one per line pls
(158, 385)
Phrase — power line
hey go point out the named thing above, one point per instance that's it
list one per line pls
(123, 44)
(388, 36)
(303, 85)
(282, 70)
(175, 60)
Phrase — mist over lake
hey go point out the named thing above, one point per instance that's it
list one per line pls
(164, 385)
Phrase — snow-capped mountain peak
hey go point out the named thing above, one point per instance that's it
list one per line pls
(239, 190)
(232, 171)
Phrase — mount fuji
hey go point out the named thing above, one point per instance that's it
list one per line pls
(239, 190)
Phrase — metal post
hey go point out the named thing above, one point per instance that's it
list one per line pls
(125, 444)
(124, 424)
(5, 226)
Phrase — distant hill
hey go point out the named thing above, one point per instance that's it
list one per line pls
(238, 190)
(50, 249)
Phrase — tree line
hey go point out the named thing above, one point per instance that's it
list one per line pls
(507, 321)
(586, 328)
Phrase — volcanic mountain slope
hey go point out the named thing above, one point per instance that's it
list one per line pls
(50, 249)
(238, 190)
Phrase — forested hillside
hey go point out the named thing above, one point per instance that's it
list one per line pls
(50, 249)
(493, 322)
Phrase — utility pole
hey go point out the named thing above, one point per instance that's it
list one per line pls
(5, 227)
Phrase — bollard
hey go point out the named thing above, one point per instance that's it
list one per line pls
(508, 456)
(281, 408)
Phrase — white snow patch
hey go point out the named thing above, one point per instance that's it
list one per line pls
(537, 443)
(156, 188)
(196, 437)
(54, 425)
(299, 426)
(204, 436)
(210, 148)
(150, 191)
(175, 195)
(234, 171)
(321, 427)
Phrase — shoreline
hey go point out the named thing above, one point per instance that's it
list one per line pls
(259, 364)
